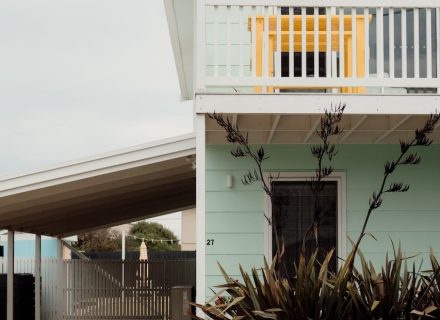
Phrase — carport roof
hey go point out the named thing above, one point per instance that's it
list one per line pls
(108, 189)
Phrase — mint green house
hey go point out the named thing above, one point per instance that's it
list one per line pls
(273, 67)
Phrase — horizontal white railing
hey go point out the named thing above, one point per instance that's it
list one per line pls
(347, 46)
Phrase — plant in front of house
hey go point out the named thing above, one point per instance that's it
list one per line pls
(323, 153)
(318, 292)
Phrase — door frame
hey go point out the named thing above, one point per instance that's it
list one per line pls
(340, 178)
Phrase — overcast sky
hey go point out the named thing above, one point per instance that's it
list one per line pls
(80, 77)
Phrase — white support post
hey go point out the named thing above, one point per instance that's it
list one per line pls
(291, 47)
(60, 282)
(379, 43)
(391, 41)
(353, 43)
(429, 43)
(124, 235)
(200, 209)
(303, 43)
(10, 277)
(37, 274)
(328, 46)
(316, 41)
(404, 44)
(416, 44)
(341, 43)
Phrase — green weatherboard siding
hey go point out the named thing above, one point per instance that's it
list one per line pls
(235, 217)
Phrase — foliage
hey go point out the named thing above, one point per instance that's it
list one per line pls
(405, 158)
(315, 292)
(151, 230)
(100, 240)
(318, 292)
(329, 127)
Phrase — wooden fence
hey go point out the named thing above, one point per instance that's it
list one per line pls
(99, 289)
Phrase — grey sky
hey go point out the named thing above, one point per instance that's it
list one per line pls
(80, 77)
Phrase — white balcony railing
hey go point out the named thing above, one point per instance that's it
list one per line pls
(347, 46)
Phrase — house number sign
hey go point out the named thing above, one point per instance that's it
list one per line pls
(210, 242)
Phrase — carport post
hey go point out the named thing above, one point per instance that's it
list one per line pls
(37, 277)
(10, 277)
(61, 280)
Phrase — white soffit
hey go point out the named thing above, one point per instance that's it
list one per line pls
(301, 128)
(180, 17)
(104, 190)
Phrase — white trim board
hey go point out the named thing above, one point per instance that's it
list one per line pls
(200, 211)
(337, 176)
(177, 50)
(408, 104)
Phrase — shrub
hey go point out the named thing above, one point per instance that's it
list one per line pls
(316, 291)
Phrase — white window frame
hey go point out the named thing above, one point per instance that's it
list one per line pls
(340, 178)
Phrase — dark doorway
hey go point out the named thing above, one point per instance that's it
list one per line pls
(293, 212)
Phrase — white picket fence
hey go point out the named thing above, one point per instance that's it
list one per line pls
(77, 289)
(49, 287)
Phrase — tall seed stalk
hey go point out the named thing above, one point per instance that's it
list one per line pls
(326, 151)
(406, 157)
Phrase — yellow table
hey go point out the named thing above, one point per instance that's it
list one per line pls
(310, 39)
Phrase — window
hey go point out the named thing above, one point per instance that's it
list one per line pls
(293, 211)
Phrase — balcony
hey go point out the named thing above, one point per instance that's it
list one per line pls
(339, 47)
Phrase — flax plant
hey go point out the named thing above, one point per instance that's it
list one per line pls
(318, 292)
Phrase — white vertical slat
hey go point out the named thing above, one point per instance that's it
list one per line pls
(404, 45)
(241, 41)
(428, 43)
(266, 43)
(354, 43)
(437, 19)
(379, 43)
(278, 61)
(316, 41)
(416, 44)
(199, 47)
(216, 36)
(228, 41)
(341, 43)
(37, 273)
(254, 41)
(291, 44)
(391, 41)
(367, 42)
(328, 49)
(303, 43)
(10, 277)
(59, 299)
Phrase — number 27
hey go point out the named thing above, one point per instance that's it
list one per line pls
(210, 242)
